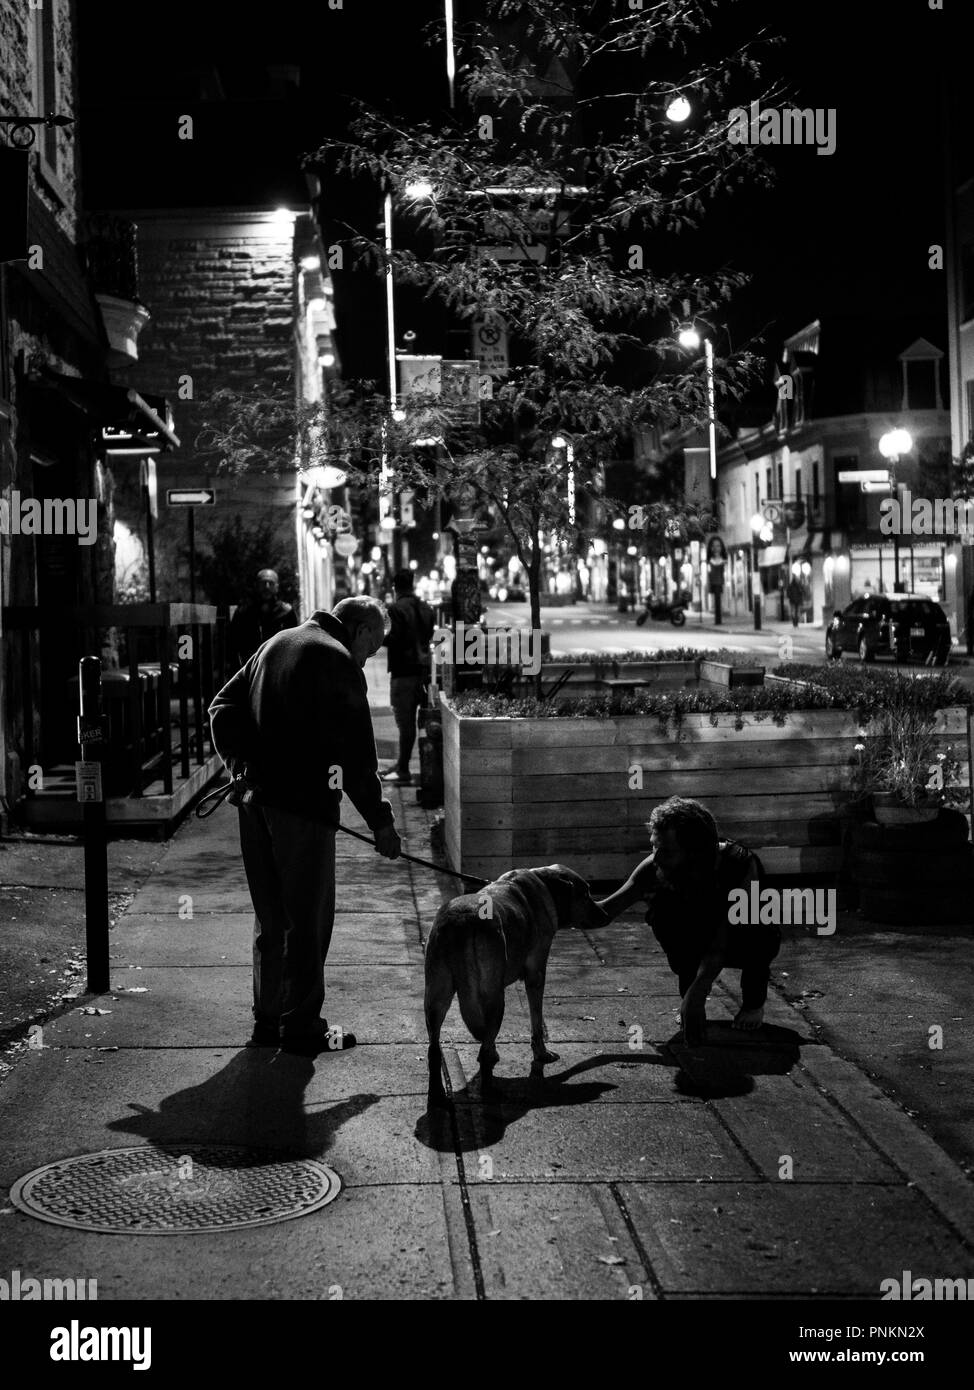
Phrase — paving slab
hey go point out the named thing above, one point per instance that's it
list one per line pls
(393, 1242)
(770, 1239)
(549, 1141)
(216, 938)
(621, 1075)
(785, 1124)
(176, 1007)
(565, 1242)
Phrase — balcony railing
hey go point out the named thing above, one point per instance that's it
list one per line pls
(109, 253)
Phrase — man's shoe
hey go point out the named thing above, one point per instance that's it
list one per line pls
(394, 775)
(265, 1035)
(314, 1044)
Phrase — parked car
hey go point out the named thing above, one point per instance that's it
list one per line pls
(907, 627)
(508, 593)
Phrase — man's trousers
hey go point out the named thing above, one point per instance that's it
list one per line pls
(290, 865)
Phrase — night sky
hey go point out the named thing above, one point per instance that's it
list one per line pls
(840, 234)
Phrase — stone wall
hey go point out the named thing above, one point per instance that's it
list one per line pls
(220, 286)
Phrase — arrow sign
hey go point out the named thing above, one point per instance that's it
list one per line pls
(190, 497)
(865, 475)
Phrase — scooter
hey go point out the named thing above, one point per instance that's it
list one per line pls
(659, 608)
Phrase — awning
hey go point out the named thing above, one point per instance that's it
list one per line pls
(127, 418)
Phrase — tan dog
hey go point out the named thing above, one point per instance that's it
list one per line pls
(482, 942)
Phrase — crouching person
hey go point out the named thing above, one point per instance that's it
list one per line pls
(685, 883)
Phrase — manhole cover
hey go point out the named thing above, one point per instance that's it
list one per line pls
(148, 1191)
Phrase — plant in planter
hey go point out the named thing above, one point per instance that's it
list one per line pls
(902, 766)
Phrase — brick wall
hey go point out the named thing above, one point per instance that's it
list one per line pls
(220, 286)
(18, 96)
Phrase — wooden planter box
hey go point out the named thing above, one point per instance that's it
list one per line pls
(522, 792)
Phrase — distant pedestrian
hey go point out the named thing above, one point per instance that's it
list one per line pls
(796, 598)
(295, 722)
(410, 665)
(259, 618)
(685, 883)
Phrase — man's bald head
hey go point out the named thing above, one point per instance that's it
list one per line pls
(366, 622)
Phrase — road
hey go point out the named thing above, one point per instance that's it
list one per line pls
(599, 627)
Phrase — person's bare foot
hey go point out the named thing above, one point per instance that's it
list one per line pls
(749, 1019)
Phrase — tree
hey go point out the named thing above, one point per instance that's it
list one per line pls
(561, 154)
(564, 155)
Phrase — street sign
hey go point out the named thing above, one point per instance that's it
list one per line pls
(864, 475)
(190, 497)
(509, 253)
(87, 777)
(490, 347)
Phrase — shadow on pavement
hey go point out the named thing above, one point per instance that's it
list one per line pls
(724, 1066)
(256, 1101)
(727, 1063)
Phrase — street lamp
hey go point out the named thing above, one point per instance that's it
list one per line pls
(678, 110)
(763, 533)
(893, 445)
(562, 441)
(415, 190)
(690, 338)
(622, 604)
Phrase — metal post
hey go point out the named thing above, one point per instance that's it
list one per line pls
(711, 418)
(89, 791)
(451, 61)
(191, 528)
(386, 479)
(149, 542)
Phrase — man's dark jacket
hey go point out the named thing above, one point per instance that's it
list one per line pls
(252, 625)
(408, 639)
(293, 713)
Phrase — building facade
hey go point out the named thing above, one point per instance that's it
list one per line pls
(67, 311)
(241, 302)
(786, 501)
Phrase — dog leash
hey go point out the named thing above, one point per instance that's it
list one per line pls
(220, 795)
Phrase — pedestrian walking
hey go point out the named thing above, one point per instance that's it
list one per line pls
(412, 623)
(259, 618)
(796, 598)
(295, 723)
(685, 883)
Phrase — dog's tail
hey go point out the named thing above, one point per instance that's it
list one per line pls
(480, 984)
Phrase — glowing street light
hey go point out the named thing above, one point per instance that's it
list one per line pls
(689, 338)
(678, 110)
(893, 445)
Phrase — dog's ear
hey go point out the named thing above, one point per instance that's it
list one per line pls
(563, 884)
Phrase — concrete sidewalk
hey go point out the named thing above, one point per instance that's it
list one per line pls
(643, 1168)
